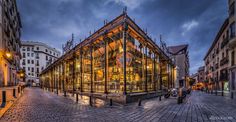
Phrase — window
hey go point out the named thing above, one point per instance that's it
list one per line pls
(46, 57)
(23, 55)
(32, 54)
(37, 48)
(37, 56)
(232, 30)
(32, 61)
(28, 61)
(32, 48)
(46, 50)
(28, 49)
(23, 62)
(28, 68)
(37, 70)
(37, 64)
(231, 9)
(28, 54)
(23, 49)
(232, 58)
(32, 69)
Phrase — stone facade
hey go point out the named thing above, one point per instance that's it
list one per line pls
(36, 56)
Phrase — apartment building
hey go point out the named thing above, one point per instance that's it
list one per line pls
(36, 56)
(232, 47)
(10, 32)
(179, 55)
(217, 59)
(201, 74)
(220, 58)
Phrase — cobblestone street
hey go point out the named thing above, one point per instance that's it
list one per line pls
(38, 105)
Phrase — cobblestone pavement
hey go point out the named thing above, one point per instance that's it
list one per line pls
(38, 105)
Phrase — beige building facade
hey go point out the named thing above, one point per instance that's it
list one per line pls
(232, 47)
(179, 54)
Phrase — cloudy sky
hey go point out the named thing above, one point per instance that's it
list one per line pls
(194, 22)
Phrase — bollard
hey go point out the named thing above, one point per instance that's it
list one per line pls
(139, 102)
(160, 98)
(90, 101)
(179, 100)
(14, 92)
(18, 89)
(57, 92)
(77, 97)
(222, 94)
(3, 98)
(64, 93)
(110, 102)
(232, 95)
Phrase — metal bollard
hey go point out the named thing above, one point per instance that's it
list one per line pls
(139, 102)
(110, 102)
(232, 95)
(64, 93)
(14, 92)
(160, 98)
(90, 101)
(3, 98)
(18, 89)
(77, 97)
(179, 100)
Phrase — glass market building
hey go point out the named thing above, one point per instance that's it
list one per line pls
(119, 60)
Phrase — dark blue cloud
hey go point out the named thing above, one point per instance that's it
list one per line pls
(195, 22)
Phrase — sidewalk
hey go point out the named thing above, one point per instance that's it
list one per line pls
(10, 99)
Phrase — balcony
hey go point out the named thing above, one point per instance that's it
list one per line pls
(217, 66)
(224, 43)
(232, 42)
(224, 61)
(224, 75)
(217, 51)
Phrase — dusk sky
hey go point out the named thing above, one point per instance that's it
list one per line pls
(193, 22)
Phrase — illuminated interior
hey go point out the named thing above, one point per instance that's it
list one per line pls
(98, 66)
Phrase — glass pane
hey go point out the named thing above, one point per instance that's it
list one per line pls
(99, 67)
(86, 69)
(115, 64)
(135, 65)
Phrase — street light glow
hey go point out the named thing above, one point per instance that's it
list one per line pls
(8, 54)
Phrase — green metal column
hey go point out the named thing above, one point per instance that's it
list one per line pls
(146, 89)
(92, 70)
(81, 71)
(106, 64)
(125, 28)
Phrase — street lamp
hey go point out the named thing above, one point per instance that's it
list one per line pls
(8, 55)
